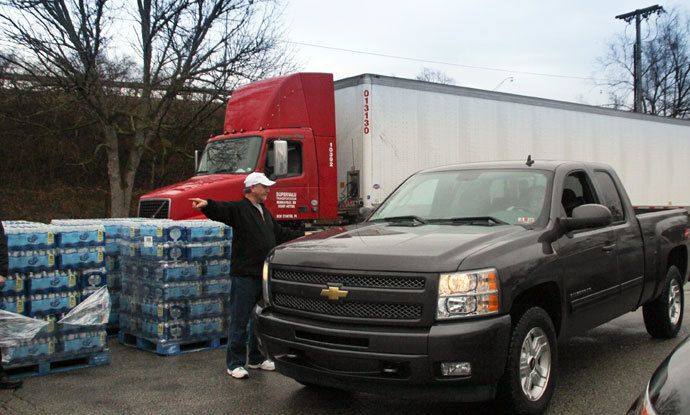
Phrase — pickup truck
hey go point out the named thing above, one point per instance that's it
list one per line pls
(461, 284)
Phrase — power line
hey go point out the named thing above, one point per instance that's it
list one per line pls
(485, 68)
(413, 59)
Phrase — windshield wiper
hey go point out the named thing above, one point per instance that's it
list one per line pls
(473, 220)
(412, 218)
(225, 171)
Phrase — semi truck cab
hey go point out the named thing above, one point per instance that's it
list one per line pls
(284, 127)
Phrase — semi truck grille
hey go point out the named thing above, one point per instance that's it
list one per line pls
(350, 280)
(350, 309)
(154, 208)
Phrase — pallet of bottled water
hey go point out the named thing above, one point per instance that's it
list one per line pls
(57, 349)
(175, 285)
(52, 269)
(115, 232)
(47, 338)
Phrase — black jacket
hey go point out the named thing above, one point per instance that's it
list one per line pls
(3, 252)
(252, 237)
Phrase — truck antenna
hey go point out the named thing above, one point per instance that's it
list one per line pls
(529, 160)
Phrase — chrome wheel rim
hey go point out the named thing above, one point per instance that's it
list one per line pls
(674, 306)
(535, 364)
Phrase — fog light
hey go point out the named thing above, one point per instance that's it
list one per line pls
(456, 368)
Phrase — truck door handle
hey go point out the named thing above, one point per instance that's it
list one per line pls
(608, 247)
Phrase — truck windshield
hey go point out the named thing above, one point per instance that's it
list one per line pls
(471, 197)
(230, 155)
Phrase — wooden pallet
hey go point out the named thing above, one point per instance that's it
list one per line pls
(57, 365)
(171, 348)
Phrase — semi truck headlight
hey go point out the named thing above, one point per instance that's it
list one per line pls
(465, 294)
(264, 284)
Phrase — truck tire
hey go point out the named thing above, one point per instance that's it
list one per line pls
(664, 316)
(529, 380)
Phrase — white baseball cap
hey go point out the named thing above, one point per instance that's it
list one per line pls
(257, 178)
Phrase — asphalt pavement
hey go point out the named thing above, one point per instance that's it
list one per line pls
(601, 372)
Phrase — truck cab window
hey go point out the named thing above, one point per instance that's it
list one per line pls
(230, 156)
(612, 199)
(294, 159)
(577, 191)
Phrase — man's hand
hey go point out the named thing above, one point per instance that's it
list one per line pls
(2, 280)
(198, 204)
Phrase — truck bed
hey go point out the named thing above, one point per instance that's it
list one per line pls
(661, 229)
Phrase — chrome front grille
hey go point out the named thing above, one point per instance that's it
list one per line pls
(350, 309)
(351, 280)
(375, 297)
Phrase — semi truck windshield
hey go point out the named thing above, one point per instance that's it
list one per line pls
(230, 156)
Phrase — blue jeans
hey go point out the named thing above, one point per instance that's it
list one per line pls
(244, 294)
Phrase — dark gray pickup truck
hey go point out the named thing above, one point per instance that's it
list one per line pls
(460, 285)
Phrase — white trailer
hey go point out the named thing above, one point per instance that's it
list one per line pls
(387, 128)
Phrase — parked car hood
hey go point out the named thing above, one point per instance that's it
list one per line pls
(668, 387)
(388, 247)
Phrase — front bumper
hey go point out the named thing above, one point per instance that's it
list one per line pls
(391, 360)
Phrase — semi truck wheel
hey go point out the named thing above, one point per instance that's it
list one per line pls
(664, 315)
(529, 379)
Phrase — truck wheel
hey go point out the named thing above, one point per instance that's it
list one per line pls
(529, 379)
(664, 315)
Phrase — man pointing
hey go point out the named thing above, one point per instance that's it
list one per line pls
(255, 233)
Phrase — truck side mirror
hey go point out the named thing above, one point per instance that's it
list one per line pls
(584, 217)
(280, 154)
(588, 217)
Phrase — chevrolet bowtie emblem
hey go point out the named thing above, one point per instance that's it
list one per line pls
(334, 293)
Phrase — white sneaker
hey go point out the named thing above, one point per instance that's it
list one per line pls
(238, 373)
(265, 365)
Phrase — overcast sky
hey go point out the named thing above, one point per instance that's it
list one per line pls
(512, 38)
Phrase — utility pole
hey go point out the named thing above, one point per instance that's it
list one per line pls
(638, 15)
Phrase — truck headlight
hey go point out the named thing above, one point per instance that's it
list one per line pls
(264, 284)
(466, 294)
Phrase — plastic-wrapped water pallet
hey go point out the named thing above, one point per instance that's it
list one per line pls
(115, 232)
(41, 344)
(175, 285)
(52, 268)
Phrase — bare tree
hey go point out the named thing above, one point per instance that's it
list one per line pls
(435, 75)
(179, 48)
(665, 67)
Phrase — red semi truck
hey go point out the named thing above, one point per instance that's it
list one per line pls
(334, 147)
(298, 112)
